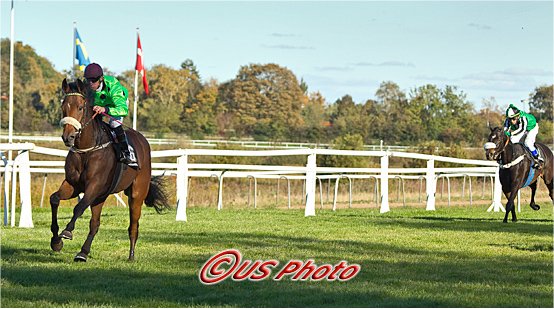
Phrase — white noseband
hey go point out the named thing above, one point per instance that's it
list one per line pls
(489, 145)
(72, 121)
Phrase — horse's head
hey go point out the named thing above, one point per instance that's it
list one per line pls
(73, 110)
(496, 143)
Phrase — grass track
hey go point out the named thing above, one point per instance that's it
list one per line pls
(453, 257)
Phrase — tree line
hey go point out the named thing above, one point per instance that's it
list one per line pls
(269, 102)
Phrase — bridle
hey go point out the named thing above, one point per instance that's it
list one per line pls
(72, 121)
(491, 145)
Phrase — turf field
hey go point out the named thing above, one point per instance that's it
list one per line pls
(452, 257)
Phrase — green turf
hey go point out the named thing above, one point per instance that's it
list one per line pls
(452, 257)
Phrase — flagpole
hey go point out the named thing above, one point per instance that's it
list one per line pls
(10, 120)
(74, 48)
(136, 91)
(7, 173)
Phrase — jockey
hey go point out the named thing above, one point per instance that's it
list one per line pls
(517, 124)
(110, 98)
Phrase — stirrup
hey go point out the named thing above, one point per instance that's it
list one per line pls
(125, 157)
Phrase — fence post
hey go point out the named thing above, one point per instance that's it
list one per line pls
(26, 217)
(310, 186)
(6, 191)
(496, 205)
(385, 183)
(431, 185)
(182, 187)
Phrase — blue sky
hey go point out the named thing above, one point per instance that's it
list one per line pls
(494, 49)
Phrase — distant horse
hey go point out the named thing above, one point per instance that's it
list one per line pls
(515, 168)
(90, 168)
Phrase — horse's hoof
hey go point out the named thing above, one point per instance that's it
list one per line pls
(80, 257)
(514, 220)
(56, 244)
(505, 221)
(66, 235)
(535, 207)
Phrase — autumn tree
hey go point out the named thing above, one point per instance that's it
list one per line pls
(265, 101)
(199, 115)
(37, 92)
(169, 91)
(313, 119)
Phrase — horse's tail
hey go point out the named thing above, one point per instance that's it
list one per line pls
(157, 196)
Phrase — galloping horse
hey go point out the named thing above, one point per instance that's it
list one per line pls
(90, 168)
(515, 168)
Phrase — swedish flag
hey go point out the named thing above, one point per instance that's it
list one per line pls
(81, 52)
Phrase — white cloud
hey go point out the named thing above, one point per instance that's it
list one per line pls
(479, 26)
(286, 46)
(385, 64)
(282, 35)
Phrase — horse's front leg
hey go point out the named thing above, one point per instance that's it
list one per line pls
(90, 196)
(510, 205)
(96, 210)
(65, 192)
(507, 194)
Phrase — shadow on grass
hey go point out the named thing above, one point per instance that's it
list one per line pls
(404, 283)
(462, 224)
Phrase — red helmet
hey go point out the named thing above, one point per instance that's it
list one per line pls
(93, 70)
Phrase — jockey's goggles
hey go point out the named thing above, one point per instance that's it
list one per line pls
(93, 80)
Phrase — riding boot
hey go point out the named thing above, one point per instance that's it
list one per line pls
(537, 158)
(123, 145)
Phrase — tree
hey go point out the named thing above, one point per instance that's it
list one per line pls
(398, 116)
(198, 117)
(161, 109)
(540, 102)
(445, 115)
(313, 115)
(37, 92)
(265, 101)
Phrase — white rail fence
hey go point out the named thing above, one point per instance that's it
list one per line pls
(213, 143)
(310, 173)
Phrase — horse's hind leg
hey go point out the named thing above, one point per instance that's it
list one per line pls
(533, 187)
(65, 192)
(137, 194)
(550, 187)
(96, 210)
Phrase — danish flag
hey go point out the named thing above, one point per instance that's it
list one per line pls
(139, 66)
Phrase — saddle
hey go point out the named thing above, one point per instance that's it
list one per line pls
(120, 167)
(537, 164)
(117, 150)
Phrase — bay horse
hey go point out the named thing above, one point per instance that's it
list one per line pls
(90, 168)
(515, 168)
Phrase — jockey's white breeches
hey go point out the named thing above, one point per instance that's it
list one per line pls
(529, 140)
(115, 122)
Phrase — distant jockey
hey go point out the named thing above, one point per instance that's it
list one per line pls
(517, 124)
